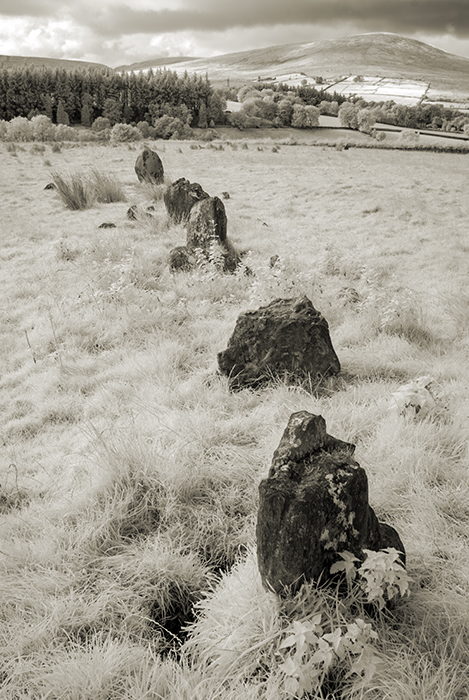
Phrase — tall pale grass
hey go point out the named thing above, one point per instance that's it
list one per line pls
(80, 191)
(128, 519)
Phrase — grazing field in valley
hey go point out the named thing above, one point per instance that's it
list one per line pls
(129, 472)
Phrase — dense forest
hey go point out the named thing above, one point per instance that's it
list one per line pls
(81, 96)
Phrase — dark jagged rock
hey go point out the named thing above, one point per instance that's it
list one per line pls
(207, 223)
(180, 197)
(149, 167)
(107, 224)
(314, 505)
(207, 231)
(287, 338)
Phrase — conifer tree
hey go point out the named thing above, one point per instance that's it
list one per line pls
(112, 110)
(86, 110)
(202, 116)
(47, 105)
(62, 116)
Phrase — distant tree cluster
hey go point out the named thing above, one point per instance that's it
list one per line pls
(264, 106)
(421, 116)
(83, 96)
(354, 116)
(261, 106)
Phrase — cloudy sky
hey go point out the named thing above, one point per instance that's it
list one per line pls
(123, 31)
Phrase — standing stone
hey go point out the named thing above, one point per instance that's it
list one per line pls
(287, 338)
(207, 222)
(149, 167)
(314, 505)
(180, 197)
(207, 231)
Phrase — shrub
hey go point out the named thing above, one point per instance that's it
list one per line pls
(241, 120)
(42, 128)
(172, 128)
(3, 129)
(65, 133)
(100, 124)
(19, 129)
(125, 132)
(88, 136)
(144, 128)
(409, 136)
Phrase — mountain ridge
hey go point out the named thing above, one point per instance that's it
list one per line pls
(376, 53)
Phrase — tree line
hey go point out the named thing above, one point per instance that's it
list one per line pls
(171, 103)
(263, 101)
(81, 96)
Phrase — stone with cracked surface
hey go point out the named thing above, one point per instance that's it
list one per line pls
(314, 505)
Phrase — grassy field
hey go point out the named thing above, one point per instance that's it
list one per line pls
(129, 472)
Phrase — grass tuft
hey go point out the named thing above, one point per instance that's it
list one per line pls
(107, 187)
(80, 191)
(74, 191)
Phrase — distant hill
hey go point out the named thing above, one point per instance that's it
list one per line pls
(376, 54)
(155, 63)
(40, 62)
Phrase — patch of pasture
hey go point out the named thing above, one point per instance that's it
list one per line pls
(129, 472)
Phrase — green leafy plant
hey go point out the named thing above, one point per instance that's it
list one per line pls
(383, 576)
(313, 652)
(314, 648)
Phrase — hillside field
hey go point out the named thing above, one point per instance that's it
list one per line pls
(128, 471)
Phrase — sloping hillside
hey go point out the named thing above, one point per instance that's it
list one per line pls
(42, 62)
(156, 63)
(378, 54)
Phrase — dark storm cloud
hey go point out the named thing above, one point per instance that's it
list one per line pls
(401, 16)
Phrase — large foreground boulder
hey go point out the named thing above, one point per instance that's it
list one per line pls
(207, 231)
(149, 167)
(287, 338)
(314, 505)
(180, 197)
